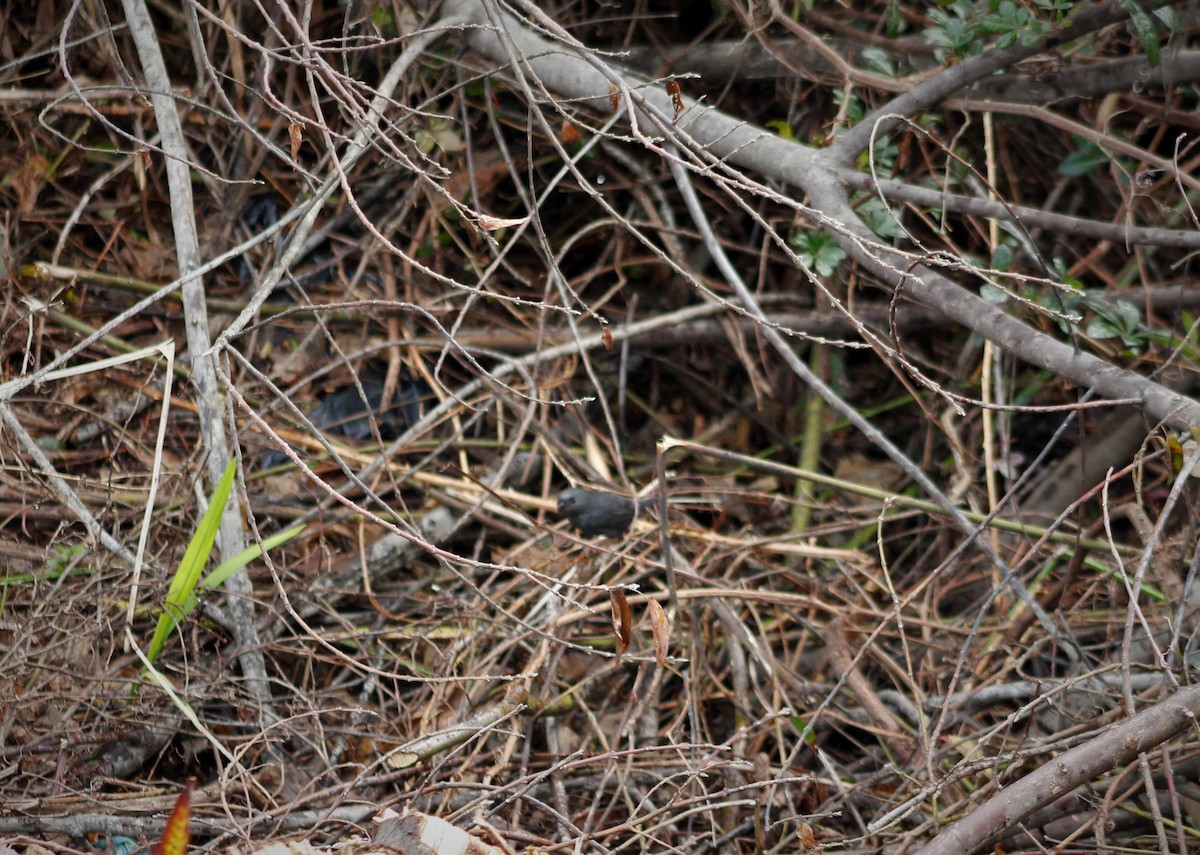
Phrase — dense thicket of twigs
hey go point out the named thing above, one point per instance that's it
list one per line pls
(728, 259)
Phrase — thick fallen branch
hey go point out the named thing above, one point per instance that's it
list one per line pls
(1114, 747)
(578, 75)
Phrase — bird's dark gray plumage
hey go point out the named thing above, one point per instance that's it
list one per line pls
(597, 512)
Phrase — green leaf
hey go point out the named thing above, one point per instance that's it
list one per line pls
(381, 16)
(798, 722)
(879, 219)
(782, 128)
(1143, 27)
(61, 559)
(879, 61)
(1087, 158)
(994, 295)
(183, 584)
(895, 21)
(1169, 17)
(1100, 328)
(1130, 314)
(217, 578)
(818, 251)
(1121, 319)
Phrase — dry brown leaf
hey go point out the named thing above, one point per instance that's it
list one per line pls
(806, 837)
(660, 629)
(622, 619)
(676, 98)
(295, 137)
(493, 224)
(28, 181)
(596, 457)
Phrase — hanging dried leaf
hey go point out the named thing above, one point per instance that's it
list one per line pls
(660, 629)
(492, 224)
(622, 619)
(614, 97)
(569, 134)
(676, 94)
(596, 456)
(806, 837)
(295, 137)
(607, 336)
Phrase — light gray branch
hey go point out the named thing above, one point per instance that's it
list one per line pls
(209, 402)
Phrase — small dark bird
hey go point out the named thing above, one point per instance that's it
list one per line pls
(596, 512)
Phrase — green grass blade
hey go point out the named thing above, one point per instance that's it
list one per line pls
(188, 574)
(217, 578)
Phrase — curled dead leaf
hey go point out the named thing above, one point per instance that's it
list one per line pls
(676, 94)
(660, 629)
(295, 138)
(622, 619)
(492, 224)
